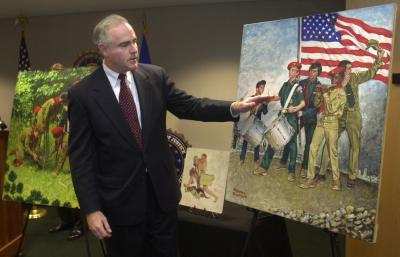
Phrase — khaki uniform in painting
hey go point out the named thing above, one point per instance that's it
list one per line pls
(49, 111)
(351, 120)
(28, 144)
(60, 148)
(333, 104)
(352, 115)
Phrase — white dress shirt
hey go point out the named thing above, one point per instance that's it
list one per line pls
(116, 86)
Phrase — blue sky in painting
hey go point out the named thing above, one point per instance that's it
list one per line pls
(267, 48)
(377, 16)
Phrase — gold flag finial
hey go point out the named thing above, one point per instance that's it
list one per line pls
(22, 21)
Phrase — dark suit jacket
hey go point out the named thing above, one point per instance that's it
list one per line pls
(108, 169)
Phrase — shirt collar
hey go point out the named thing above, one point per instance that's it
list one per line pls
(113, 76)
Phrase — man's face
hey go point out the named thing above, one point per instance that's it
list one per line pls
(293, 73)
(121, 51)
(260, 89)
(313, 73)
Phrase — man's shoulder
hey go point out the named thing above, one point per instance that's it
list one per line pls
(150, 69)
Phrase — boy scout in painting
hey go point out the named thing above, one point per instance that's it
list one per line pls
(257, 111)
(28, 144)
(309, 112)
(49, 112)
(352, 120)
(352, 115)
(331, 102)
(296, 103)
(60, 148)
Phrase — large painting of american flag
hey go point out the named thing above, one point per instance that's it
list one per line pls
(322, 167)
(332, 37)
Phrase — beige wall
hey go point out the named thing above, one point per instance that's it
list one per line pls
(387, 244)
(198, 45)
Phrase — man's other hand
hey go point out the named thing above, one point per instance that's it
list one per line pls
(98, 225)
(248, 103)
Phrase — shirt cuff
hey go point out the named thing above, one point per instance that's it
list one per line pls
(231, 110)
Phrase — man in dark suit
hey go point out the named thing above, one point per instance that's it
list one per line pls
(122, 170)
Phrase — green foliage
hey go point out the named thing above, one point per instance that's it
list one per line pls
(6, 167)
(13, 187)
(19, 198)
(44, 201)
(7, 187)
(7, 197)
(51, 187)
(67, 204)
(55, 203)
(12, 176)
(20, 188)
(35, 87)
(35, 196)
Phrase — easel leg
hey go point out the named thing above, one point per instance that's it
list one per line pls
(335, 246)
(250, 233)
(19, 253)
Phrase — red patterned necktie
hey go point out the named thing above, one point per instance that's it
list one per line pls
(128, 108)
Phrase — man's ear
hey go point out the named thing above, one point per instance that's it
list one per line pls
(103, 49)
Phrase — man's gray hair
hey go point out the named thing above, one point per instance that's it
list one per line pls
(100, 31)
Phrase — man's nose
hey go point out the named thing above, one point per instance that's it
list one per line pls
(133, 48)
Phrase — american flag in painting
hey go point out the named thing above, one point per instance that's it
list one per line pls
(331, 38)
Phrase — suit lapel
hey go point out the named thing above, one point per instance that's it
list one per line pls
(145, 100)
(107, 101)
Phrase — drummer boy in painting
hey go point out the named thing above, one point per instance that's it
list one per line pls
(296, 103)
(258, 111)
(331, 102)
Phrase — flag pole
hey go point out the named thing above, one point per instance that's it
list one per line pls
(144, 56)
(298, 38)
(144, 22)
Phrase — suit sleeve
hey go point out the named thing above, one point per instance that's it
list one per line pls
(82, 156)
(186, 106)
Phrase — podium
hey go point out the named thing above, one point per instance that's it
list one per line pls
(10, 213)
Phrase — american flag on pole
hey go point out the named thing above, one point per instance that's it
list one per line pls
(23, 62)
(144, 55)
(331, 38)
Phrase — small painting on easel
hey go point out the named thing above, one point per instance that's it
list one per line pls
(204, 179)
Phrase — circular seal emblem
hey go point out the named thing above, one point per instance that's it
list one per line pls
(178, 146)
(88, 58)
